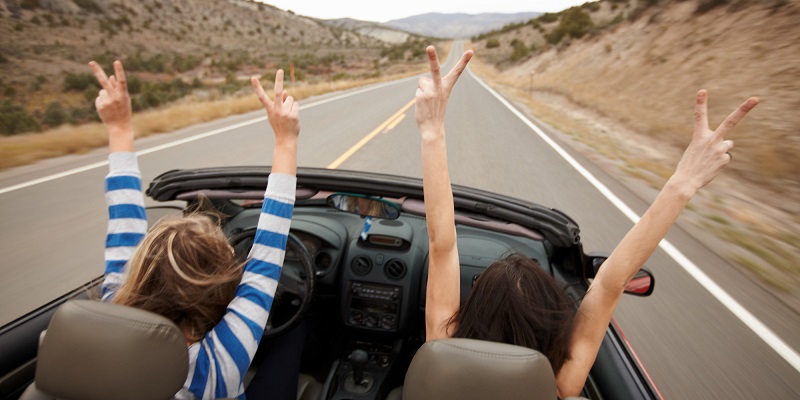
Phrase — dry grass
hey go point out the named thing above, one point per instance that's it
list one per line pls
(25, 149)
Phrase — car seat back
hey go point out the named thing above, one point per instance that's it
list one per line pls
(474, 369)
(95, 350)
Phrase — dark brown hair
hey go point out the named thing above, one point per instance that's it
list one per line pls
(185, 270)
(515, 301)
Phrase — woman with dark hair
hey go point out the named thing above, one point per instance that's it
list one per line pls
(514, 301)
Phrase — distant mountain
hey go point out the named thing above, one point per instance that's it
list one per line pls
(457, 26)
(371, 29)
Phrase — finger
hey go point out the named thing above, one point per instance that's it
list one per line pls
(736, 116)
(728, 145)
(260, 92)
(295, 109)
(100, 75)
(436, 69)
(423, 82)
(459, 68)
(288, 102)
(113, 83)
(279, 86)
(285, 94)
(119, 73)
(701, 112)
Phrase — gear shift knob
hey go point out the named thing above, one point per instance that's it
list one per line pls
(358, 358)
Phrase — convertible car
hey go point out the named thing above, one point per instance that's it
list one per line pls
(355, 274)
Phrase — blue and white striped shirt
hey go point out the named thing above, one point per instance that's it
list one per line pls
(217, 364)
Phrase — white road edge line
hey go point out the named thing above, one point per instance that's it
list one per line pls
(195, 137)
(758, 327)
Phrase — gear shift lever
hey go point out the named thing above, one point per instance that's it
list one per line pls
(358, 359)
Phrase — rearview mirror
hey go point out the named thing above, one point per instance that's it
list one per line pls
(364, 206)
(642, 284)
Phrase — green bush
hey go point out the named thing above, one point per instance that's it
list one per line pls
(55, 114)
(29, 4)
(88, 5)
(704, 6)
(79, 82)
(548, 17)
(492, 43)
(592, 6)
(3, 59)
(574, 23)
(14, 119)
(134, 84)
(520, 51)
(154, 94)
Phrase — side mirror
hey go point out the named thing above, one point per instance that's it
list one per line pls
(642, 284)
(364, 206)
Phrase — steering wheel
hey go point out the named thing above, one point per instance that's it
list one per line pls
(295, 287)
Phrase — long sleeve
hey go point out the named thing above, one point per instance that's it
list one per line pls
(127, 222)
(218, 362)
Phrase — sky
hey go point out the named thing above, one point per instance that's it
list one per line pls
(382, 11)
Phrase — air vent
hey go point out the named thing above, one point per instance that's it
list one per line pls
(361, 265)
(395, 269)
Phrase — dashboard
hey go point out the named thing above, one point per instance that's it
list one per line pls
(379, 276)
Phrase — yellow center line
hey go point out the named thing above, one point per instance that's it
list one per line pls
(394, 123)
(369, 137)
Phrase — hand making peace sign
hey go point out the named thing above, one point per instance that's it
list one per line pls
(709, 152)
(282, 112)
(114, 106)
(433, 93)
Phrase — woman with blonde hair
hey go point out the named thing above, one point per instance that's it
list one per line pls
(514, 301)
(184, 268)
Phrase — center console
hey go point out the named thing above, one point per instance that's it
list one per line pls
(374, 306)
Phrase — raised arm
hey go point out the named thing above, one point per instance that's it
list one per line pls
(707, 154)
(442, 296)
(242, 327)
(127, 223)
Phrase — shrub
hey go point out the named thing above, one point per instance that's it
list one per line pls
(592, 6)
(29, 4)
(574, 23)
(707, 5)
(3, 59)
(548, 17)
(88, 5)
(79, 82)
(520, 50)
(492, 43)
(14, 119)
(134, 84)
(54, 114)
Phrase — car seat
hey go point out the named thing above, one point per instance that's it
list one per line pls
(93, 350)
(468, 369)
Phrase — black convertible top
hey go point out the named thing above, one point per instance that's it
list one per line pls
(556, 226)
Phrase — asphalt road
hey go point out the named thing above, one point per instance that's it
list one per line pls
(691, 344)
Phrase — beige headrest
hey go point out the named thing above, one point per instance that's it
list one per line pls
(474, 369)
(95, 350)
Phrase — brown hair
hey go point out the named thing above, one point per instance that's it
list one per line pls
(185, 270)
(514, 301)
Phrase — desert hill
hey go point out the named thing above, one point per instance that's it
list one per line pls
(171, 47)
(638, 65)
